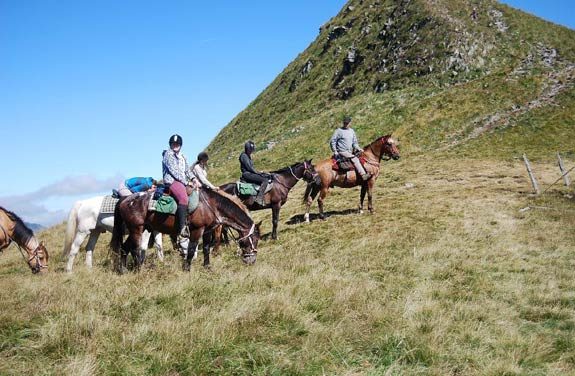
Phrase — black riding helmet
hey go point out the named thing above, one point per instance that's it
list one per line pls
(249, 146)
(176, 139)
(203, 156)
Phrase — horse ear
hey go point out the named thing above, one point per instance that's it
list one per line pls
(258, 225)
(42, 243)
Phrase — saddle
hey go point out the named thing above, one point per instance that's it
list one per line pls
(343, 164)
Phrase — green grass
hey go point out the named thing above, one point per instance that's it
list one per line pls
(450, 276)
(446, 277)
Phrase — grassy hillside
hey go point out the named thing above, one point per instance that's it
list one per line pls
(460, 271)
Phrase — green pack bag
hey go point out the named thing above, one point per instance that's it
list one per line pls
(166, 204)
(246, 189)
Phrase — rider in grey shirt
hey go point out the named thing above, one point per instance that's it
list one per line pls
(344, 143)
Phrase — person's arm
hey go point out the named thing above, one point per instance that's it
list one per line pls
(201, 176)
(247, 164)
(355, 144)
(333, 142)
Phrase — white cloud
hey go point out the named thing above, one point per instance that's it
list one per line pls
(30, 207)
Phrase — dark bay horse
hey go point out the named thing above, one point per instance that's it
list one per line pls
(283, 181)
(373, 153)
(214, 209)
(13, 229)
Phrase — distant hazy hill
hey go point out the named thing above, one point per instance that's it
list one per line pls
(475, 78)
(34, 226)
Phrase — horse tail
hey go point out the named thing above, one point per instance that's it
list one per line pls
(118, 230)
(71, 227)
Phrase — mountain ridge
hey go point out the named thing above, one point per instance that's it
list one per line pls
(374, 55)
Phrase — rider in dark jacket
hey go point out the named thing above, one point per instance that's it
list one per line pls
(250, 174)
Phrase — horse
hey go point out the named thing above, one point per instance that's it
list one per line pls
(283, 181)
(86, 218)
(13, 229)
(214, 209)
(373, 153)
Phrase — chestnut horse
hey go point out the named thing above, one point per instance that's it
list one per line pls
(214, 209)
(373, 153)
(283, 181)
(13, 229)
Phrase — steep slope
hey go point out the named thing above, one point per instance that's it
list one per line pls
(437, 73)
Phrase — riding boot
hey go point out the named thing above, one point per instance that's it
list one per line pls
(183, 232)
(260, 197)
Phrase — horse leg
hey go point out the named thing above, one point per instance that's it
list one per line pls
(322, 195)
(195, 236)
(206, 238)
(94, 235)
(309, 201)
(275, 219)
(159, 246)
(362, 197)
(78, 240)
(217, 235)
(369, 199)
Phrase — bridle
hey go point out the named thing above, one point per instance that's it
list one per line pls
(33, 256)
(381, 153)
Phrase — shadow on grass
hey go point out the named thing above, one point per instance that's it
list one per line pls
(315, 216)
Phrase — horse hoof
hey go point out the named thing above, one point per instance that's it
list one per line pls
(186, 267)
(208, 268)
(360, 211)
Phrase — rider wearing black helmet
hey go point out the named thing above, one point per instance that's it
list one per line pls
(174, 168)
(250, 174)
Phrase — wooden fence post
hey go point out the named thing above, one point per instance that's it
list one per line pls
(533, 180)
(566, 179)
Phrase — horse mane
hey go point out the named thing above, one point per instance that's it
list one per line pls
(285, 169)
(229, 202)
(233, 198)
(377, 139)
(21, 232)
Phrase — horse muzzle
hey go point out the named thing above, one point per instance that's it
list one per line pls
(250, 258)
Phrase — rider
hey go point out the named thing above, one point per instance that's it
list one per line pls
(200, 173)
(250, 174)
(344, 143)
(136, 184)
(174, 168)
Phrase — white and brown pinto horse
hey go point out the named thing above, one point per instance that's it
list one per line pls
(373, 153)
(13, 229)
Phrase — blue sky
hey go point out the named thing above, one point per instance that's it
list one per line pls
(90, 91)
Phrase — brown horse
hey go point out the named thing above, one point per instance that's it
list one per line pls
(373, 153)
(214, 209)
(283, 181)
(12, 228)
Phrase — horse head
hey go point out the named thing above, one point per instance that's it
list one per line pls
(249, 244)
(309, 172)
(38, 260)
(389, 147)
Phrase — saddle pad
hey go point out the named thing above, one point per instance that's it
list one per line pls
(250, 189)
(108, 205)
